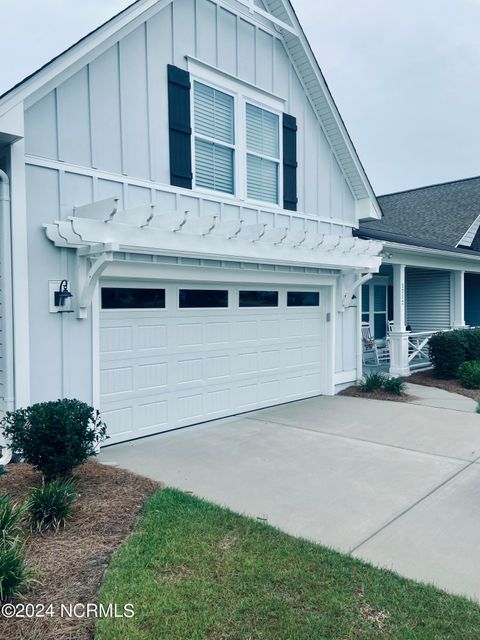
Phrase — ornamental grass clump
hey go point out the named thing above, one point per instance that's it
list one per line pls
(372, 382)
(11, 516)
(377, 381)
(50, 505)
(55, 437)
(15, 577)
(395, 386)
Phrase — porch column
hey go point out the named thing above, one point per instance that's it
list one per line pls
(458, 306)
(399, 365)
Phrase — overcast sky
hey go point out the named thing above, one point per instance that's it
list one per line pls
(405, 74)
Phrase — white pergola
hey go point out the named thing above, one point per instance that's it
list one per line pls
(100, 234)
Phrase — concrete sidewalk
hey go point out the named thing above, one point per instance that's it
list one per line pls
(396, 484)
(433, 397)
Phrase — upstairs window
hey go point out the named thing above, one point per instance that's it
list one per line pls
(263, 154)
(214, 130)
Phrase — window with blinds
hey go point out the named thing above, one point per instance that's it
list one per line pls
(263, 154)
(214, 124)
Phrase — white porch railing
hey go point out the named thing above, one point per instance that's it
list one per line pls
(418, 351)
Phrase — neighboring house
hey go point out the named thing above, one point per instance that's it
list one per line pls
(185, 170)
(430, 276)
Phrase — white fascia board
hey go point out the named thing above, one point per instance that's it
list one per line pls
(12, 124)
(365, 209)
(339, 124)
(66, 64)
(395, 253)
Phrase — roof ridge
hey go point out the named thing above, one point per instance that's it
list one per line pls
(429, 186)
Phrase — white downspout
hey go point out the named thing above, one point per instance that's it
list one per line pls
(6, 291)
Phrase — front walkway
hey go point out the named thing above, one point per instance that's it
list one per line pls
(396, 484)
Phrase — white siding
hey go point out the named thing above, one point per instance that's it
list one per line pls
(108, 125)
(428, 299)
(112, 115)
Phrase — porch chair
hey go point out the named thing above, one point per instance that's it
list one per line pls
(371, 353)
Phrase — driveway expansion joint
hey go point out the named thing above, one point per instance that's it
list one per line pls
(365, 440)
(412, 506)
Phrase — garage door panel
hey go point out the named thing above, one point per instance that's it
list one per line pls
(190, 370)
(168, 368)
(116, 339)
(217, 333)
(217, 367)
(151, 376)
(152, 336)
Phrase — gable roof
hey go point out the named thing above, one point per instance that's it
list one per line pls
(446, 214)
(283, 19)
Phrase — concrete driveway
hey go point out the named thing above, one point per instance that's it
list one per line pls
(393, 483)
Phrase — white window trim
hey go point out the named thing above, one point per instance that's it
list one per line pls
(278, 160)
(376, 282)
(242, 94)
(220, 143)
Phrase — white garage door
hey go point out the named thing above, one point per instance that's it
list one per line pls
(176, 355)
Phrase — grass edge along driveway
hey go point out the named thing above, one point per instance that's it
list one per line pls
(193, 571)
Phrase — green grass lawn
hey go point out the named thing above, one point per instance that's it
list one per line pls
(196, 571)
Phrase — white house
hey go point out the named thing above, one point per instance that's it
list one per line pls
(430, 276)
(184, 173)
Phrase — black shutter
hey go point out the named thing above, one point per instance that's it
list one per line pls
(179, 125)
(289, 162)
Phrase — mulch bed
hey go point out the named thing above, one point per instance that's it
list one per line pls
(69, 565)
(379, 394)
(428, 380)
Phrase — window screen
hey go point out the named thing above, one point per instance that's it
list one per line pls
(263, 154)
(258, 299)
(214, 139)
(123, 298)
(303, 299)
(202, 298)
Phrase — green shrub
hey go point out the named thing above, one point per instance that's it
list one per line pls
(2, 470)
(55, 437)
(396, 386)
(14, 575)
(50, 505)
(447, 352)
(372, 382)
(469, 374)
(10, 518)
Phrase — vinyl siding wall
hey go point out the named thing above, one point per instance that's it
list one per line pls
(428, 299)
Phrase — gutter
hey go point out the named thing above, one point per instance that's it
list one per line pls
(6, 291)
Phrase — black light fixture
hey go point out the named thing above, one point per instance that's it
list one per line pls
(62, 295)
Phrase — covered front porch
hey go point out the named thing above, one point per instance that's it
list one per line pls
(407, 302)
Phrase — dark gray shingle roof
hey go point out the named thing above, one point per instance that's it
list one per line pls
(439, 213)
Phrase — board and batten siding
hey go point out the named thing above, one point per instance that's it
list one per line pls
(112, 115)
(428, 299)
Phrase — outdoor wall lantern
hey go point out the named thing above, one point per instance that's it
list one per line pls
(61, 296)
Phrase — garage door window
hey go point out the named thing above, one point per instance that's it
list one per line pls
(258, 299)
(202, 298)
(303, 299)
(124, 298)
